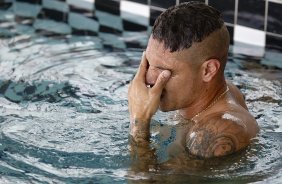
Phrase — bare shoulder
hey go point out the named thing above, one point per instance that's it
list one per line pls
(218, 134)
(236, 94)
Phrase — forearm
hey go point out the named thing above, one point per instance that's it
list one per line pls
(143, 156)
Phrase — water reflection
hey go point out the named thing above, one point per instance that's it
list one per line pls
(174, 167)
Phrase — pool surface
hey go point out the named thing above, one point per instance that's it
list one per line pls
(64, 114)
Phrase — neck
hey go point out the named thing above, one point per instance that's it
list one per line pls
(206, 96)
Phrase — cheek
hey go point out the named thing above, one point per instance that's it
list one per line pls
(179, 85)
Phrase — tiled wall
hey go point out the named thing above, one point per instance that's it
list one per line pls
(256, 22)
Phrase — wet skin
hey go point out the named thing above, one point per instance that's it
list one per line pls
(176, 84)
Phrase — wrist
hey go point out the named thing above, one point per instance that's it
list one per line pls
(140, 129)
(140, 124)
(142, 118)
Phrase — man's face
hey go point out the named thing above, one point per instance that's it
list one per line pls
(179, 91)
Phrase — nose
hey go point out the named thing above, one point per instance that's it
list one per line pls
(152, 76)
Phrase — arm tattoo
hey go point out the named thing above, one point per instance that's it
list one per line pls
(140, 131)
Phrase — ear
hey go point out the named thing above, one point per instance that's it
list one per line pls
(210, 69)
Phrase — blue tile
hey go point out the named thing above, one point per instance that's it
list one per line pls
(26, 9)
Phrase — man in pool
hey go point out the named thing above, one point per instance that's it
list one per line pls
(182, 70)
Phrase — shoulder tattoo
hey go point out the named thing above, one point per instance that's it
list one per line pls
(206, 144)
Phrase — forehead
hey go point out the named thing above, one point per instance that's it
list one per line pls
(156, 53)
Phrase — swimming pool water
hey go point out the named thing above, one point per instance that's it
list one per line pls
(64, 115)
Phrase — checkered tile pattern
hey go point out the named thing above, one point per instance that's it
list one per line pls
(119, 23)
(109, 19)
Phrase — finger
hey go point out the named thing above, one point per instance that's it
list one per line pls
(142, 67)
(161, 82)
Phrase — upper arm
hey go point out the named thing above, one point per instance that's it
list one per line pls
(213, 141)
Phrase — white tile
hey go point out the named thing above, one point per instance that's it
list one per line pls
(249, 35)
(78, 21)
(135, 12)
(84, 4)
(55, 5)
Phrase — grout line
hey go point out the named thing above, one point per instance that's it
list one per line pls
(274, 34)
(276, 1)
(229, 24)
(157, 8)
(266, 15)
(207, 2)
(177, 2)
(236, 12)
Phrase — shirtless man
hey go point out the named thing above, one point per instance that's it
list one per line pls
(182, 70)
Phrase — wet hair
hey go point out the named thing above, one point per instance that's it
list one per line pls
(181, 25)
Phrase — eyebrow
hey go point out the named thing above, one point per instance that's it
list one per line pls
(157, 66)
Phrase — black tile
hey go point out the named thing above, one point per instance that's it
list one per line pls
(182, 1)
(48, 33)
(163, 3)
(139, 1)
(46, 13)
(109, 6)
(226, 7)
(130, 26)
(84, 12)
(83, 32)
(251, 13)
(153, 16)
(111, 48)
(274, 19)
(274, 42)
(31, 1)
(106, 29)
(134, 45)
(231, 34)
(5, 6)
(24, 20)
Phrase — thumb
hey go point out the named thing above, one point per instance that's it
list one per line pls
(161, 82)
